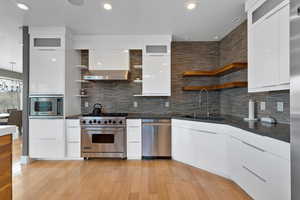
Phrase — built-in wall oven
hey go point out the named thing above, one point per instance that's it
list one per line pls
(103, 137)
(46, 106)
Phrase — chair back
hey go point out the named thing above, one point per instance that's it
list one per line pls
(15, 118)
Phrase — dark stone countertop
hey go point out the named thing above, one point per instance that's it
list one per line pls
(148, 116)
(277, 131)
(73, 116)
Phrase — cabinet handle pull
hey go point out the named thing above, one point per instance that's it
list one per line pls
(47, 49)
(203, 131)
(255, 147)
(254, 174)
(47, 139)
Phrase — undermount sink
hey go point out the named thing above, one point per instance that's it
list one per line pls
(213, 118)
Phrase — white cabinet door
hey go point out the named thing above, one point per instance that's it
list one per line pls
(206, 155)
(269, 42)
(108, 59)
(46, 138)
(284, 51)
(156, 76)
(73, 130)
(279, 178)
(47, 71)
(134, 150)
(134, 139)
(235, 158)
(73, 137)
(73, 150)
(198, 148)
(181, 146)
(265, 50)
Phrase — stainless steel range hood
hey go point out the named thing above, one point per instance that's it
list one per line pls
(106, 75)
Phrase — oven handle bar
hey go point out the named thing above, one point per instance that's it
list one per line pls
(100, 133)
(105, 129)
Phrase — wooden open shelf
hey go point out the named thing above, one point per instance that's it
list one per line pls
(218, 72)
(217, 87)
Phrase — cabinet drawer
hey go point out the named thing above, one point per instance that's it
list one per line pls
(134, 123)
(46, 148)
(73, 134)
(73, 149)
(134, 134)
(278, 148)
(134, 150)
(255, 159)
(73, 123)
(253, 184)
(46, 129)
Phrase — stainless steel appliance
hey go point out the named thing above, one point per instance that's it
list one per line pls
(156, 138)
(46, 106)
(103, 136)
(97, 109)
(295, 97)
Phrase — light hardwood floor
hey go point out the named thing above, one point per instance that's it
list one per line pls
(118, 180)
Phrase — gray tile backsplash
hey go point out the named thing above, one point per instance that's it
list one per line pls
(118, 96)
(233, 48)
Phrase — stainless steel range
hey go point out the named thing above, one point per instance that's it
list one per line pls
(103, 136)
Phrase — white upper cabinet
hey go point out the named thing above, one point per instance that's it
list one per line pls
(157, 75)
(47, 61)
(11, 48)
(47, 75)
(108, 59)
(268, 46)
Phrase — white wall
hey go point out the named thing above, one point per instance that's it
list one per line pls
(11, 19)
(118, 41)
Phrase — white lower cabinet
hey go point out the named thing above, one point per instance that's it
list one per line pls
(199, 148)
(260, 165)
(134, 139)
(73, 138)
(46, 138)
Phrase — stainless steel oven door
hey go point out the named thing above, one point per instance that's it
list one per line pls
(43, 106)
(102, 140)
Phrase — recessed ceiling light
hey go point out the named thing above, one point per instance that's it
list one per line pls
(107, 6)
(76, 2)
(22, 6)
(216, 37)
(191, 6)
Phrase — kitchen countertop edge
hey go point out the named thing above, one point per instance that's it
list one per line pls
(277, 131)
(7, 130)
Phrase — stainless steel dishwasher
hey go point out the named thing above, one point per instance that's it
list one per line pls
(156, 138)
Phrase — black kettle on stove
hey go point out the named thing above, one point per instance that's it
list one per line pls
(97, 109)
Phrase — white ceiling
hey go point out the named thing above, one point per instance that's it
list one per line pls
(211, 17)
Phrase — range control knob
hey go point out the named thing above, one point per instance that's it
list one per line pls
(95, 121)
(90, 122)
(114, 122)
(109, 121)
(83, 121)
(105, 122)
(121, 122)
(99, 122)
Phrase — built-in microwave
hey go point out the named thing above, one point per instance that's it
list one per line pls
(46, 106)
